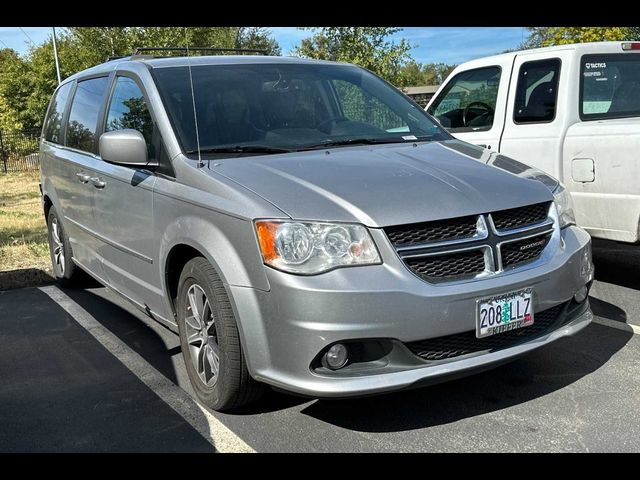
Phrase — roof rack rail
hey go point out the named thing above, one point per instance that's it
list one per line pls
(117, 57)
(139, 52)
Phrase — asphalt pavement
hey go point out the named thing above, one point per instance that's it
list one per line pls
(68, 384)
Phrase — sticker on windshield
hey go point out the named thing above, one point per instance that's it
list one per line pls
(409, 137)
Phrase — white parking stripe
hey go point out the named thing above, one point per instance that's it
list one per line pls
(214, 431)
(627, 327)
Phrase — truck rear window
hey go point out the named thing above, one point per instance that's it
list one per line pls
(609, 86)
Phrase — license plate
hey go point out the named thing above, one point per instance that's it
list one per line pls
(502, 313)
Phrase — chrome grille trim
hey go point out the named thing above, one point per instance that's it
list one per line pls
(490, 240)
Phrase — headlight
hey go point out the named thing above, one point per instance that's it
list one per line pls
(564, 204)
(310, 248)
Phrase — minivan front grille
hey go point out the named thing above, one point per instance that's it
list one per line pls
(523, 251)
(459, 265)
(466, 247)
(438, 231)
(520, 217)
(452, 346)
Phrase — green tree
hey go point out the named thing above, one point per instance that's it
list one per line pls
(14, 90)
(440, 72)
(416, 74)
(369, 47)
(548, 36)
(11, 65)
(413, 74)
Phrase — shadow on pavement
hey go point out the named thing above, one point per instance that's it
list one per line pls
(62, 391)
(617, 263)
(144, 341)
(128, 328)
(608, 310)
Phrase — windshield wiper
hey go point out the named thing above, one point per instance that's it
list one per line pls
(242, 149)
(365, 141)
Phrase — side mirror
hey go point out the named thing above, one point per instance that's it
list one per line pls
(124, 147)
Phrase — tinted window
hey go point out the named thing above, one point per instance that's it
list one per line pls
(358, 105)
(610, 86)
(293, 105)
(128, 109)
(53, 122)
(83, 117)
(469, 100)
(537, 91)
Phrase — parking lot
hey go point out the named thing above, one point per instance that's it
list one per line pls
(82, 370)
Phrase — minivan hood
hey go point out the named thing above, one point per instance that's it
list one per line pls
(382, 185)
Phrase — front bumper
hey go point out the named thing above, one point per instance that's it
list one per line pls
(285, 329)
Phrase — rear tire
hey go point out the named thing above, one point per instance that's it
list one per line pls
(210, 340)
(64, 270)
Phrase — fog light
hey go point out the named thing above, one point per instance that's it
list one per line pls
(581, 295)
(337, 356)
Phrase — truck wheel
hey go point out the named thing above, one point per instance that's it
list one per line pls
(64, 270)
(210, 340)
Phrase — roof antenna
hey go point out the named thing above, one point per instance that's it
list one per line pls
(200, 163)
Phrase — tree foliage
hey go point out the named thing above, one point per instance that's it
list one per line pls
(26, 83)
(549, 36)
(418, 74)
(369, 47)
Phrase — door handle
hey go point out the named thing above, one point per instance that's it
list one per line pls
(484, 146)
(97, 182)
(83, 177)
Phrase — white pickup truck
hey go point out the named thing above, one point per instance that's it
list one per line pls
(572, 111)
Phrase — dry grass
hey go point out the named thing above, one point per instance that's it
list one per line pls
(23, 234)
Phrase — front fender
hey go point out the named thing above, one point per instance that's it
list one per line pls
(228, 243)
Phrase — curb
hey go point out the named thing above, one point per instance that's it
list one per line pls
(25, 277)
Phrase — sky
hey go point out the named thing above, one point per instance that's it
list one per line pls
(452, 45)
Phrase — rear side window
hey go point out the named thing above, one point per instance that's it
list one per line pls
(83, 117)
(468, 102)
(53, 122)
(128, 109)
(609, 86)
(537, 91)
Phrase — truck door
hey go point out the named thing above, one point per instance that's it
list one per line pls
(471, 105)
(537, 110)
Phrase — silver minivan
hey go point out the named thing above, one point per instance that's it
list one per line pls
(304, 225)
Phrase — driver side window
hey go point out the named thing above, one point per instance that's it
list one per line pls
(468, 102)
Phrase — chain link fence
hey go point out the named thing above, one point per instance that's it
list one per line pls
(19, 151)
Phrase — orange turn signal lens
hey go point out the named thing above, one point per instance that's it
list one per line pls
(267, 239)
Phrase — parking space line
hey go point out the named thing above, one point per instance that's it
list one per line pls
(212, 429)
(619, 325)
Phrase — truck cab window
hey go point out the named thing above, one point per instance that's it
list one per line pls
(468, 102)
(609, 86)
(537, 91)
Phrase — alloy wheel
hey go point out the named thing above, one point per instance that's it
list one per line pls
(201, 335)
(58, 246)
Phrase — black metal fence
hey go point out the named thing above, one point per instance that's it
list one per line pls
(19, 151)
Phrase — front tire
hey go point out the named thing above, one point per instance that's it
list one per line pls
(64, 270)
(210, 340)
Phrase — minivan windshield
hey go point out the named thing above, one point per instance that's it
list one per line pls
(263, 108)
